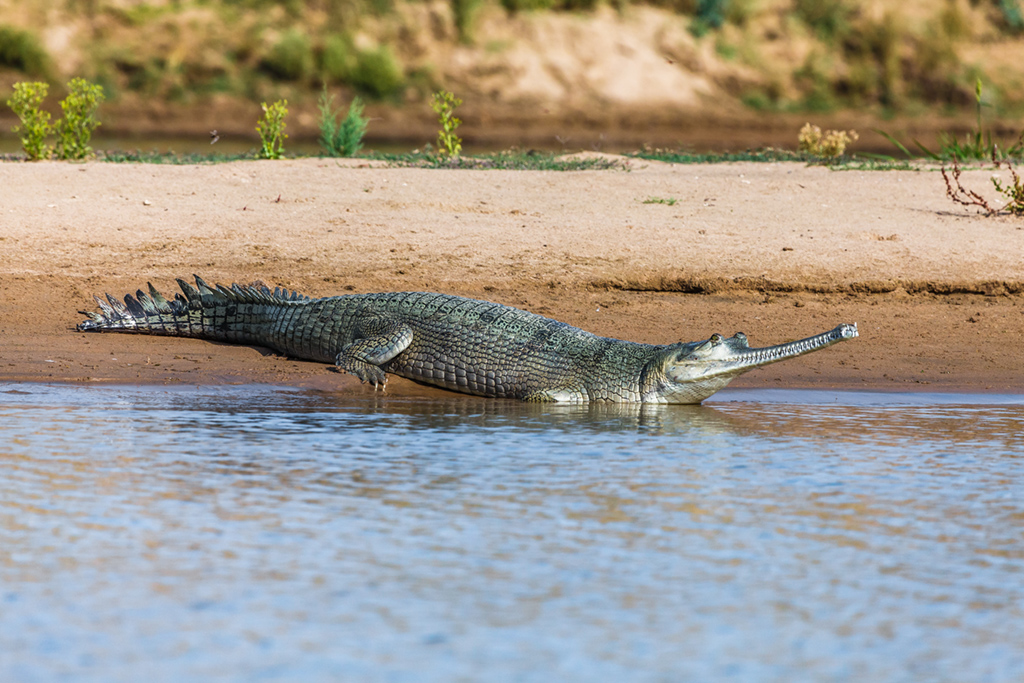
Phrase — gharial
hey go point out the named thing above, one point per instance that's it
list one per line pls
(475, 347)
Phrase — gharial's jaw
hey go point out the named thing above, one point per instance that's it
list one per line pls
(692, 372)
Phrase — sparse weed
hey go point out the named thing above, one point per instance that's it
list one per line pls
(679, 156)
(829, 145)
(1013, 191)
(343, 139)
(271, 129)
(35, 123)
(75, 128)
(444, 103)
(671, 201)
(511, 160)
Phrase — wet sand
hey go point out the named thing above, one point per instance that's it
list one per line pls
(653, 252)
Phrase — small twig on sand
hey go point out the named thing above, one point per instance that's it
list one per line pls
(960, 194)
(1014, 192)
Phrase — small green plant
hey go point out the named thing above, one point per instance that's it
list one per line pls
(978, 145)
(35, 123)
(444, 103)
(1013, 192)
(671, 201)
(829, 145)
(343, 139)
(75, 128)
(271, 129)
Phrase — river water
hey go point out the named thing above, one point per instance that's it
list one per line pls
(257, 533)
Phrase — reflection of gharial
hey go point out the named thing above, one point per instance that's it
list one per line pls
(476, 347)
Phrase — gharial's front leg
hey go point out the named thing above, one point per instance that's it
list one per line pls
(378, 340)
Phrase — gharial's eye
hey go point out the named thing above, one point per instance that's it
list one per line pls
(717, 338)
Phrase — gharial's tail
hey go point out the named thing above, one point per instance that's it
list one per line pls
(204, 311)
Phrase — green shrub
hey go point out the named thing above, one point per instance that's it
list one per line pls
(343, 139)
(337, 61)
(463, 14)
(271, 129)
(829, 18)
(812, 78)
(21, 50)
(35, 123)
(1013, 17)
(377, 73)
(291, 58)
(448, 143)
(710, 14)
(75, 129)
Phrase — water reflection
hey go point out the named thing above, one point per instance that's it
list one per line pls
(237, 533)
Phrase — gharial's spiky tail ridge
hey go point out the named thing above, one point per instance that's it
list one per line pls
(191, 315)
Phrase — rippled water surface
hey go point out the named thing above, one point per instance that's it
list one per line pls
(250, 533)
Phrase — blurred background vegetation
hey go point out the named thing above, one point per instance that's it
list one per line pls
(165, 60)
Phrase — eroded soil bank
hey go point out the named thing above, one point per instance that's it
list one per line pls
(653, 252)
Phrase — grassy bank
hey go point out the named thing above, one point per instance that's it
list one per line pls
(912, 56)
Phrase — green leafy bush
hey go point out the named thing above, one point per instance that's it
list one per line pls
(830, 18)
(75, 129)
(337, 61)
(343, 139)
(291, 58)
(710, 15)
(444, 103)
(1013, 17)
(35, 123)
(271, 129)
(21, 50)
(377, 73)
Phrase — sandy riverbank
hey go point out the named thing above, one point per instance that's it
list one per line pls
(778, 251)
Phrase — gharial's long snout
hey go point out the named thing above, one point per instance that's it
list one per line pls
(736, 350)
(699, 369)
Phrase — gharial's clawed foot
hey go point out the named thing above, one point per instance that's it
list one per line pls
(366, 372)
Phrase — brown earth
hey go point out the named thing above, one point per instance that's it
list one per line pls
(653, 252)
